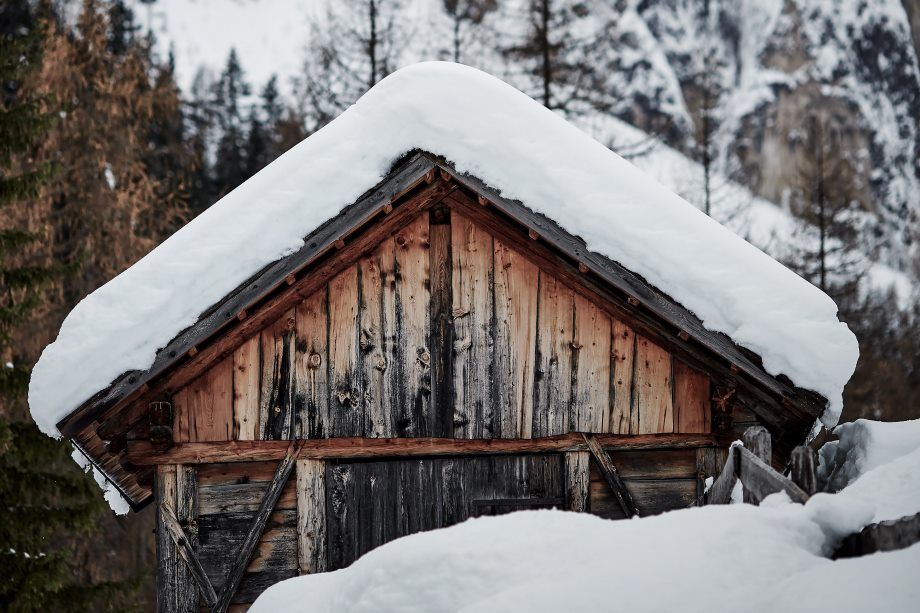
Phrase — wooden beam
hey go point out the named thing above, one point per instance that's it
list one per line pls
(166, 588)
(311, 516)
(578, 481)
(611, 476)
(720, 492)
(168, 517)
(757, 441)
(884, 536)
(804, 471)
(248, 547)
(760, 480)
(141, 453)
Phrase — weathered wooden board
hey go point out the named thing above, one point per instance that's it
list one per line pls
(275, 557)
(311, 387)
(442, 327)
(346, 402)
(692, 400)
(591, 364)
(235, 473)
(276, 402)
(472, 296)
(371, 503)
(180, 415)
(378, 341)
(578, 481)
(515, 334)
(167, 554)
(651, 496)
(623, 419)
(413, 297)
(246, 374)
(653, 464)
(311, 516)
(653, 393)
(241, 498)
(210, 404)
(553, 374)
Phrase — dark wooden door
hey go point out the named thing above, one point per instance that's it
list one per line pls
(371, 503)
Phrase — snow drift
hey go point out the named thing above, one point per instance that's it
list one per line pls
(716, 558)
(485, 128)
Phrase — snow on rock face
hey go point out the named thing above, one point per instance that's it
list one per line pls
(878, 464)
(487, 129)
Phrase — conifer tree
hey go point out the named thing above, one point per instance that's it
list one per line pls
(46, 499)
(229, 91)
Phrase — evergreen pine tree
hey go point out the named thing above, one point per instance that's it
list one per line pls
(47, 500)
(228, 94)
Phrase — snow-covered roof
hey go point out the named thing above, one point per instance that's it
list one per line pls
(486, 129)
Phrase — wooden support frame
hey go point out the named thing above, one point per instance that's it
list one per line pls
(251, 541)
(611, 476)
(141, 453)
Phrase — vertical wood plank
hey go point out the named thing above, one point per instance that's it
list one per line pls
(276, 394)
(311, 516)
(577, 480)
(187, 592)
(442, 328)
(413, 295)
(210, 404)
(709, 463)
(346, 406)
(553, 374)
(167, 555)
(180, 415)
(515, 334)
(622, 419)
(472, 295)
(311, 387)
(691, 400)
(246, 368)
(590, 411)
(653, 392)
(378, 340)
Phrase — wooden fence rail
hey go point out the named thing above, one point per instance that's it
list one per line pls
(751, 464)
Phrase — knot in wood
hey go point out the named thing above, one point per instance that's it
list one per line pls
(381, 363)
(314, 360)
(277, 410)
(424, 357)
(401, 240)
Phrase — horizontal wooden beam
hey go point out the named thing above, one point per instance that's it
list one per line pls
(142, 453)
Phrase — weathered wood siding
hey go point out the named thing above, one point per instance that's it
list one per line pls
(489, 346)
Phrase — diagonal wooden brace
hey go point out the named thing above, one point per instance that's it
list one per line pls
(258, 526)
(611, 476)
(185, 550)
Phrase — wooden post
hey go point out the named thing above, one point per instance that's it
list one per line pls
(167, 555)
(175, 488)
(311, 516)
(804, 469)
(757, 440)
(577, 481)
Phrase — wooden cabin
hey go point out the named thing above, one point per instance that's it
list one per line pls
(433, 353)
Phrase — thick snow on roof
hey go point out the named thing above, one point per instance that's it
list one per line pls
(716, 558)
(485, 128)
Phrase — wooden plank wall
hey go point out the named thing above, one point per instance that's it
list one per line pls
(377, 353)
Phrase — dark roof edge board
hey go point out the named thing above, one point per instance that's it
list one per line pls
(407, 173)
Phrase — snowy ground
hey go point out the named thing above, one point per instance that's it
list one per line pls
(725, 558)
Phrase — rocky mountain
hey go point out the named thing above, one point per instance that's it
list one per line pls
(763, 69)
